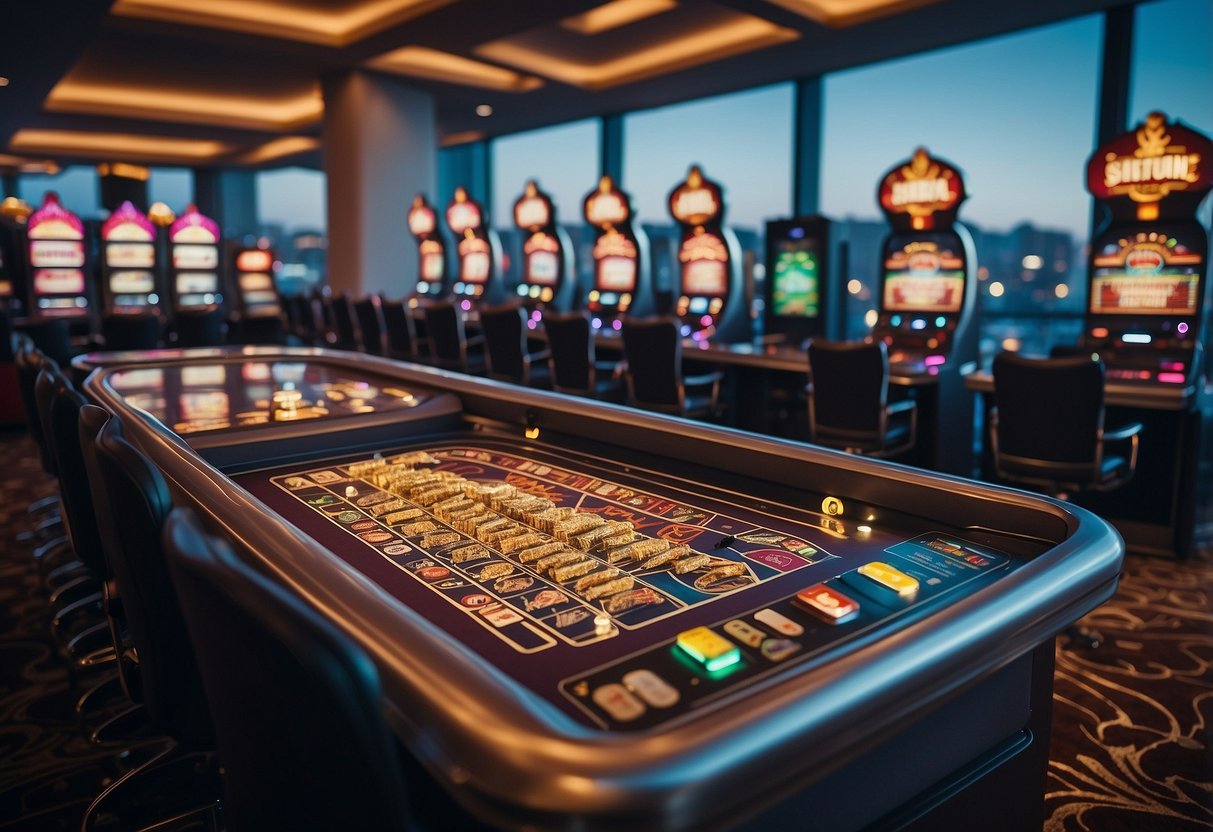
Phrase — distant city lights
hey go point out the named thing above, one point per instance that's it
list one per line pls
(1032, 261)
(996, 289)
(854, 286)
(1061, 290)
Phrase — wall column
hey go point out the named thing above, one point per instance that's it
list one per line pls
(380, 149)
(229, 197)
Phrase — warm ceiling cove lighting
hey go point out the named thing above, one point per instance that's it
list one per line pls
(124, 170)
(278, 148)
(840, 13)
(311, 23)
(423, 62)
(159, 104)
(462, 137)
(23, 164)
(615, 14)
(70, 143)
(695, 48)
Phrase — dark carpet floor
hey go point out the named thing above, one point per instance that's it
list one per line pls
(1132, 747)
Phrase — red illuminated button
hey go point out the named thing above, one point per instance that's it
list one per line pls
(619, 702)
(829, 603)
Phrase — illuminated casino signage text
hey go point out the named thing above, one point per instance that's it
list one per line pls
(421, 217)
(921, 188)
(463, 214)
(533, 210)
(697, 201)
(606, 205)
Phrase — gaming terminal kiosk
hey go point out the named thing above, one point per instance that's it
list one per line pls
(59, 284)
(803, 265)
(711, 295)
(623, 283)
(431, 251)
(478, 276)
(130, 268)
(928, 291)
(548, 275)
(195, 269)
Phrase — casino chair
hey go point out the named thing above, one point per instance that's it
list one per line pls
(155, 657)
(652, 349)
(296, 704)
(141, 331)
(202, 327)
(52, 337)
(371, 327)
(1047, 426)
(44, 514)
(403, 343)
(849, 406)
(450, 347)
(572, 361)
(345, 330)
(505, 346)
(11, 411)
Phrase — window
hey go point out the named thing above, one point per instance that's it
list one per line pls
(564, 162)
(291, 205)
(77, 186)
(742, 141)
(172, 186)
(1016, 115)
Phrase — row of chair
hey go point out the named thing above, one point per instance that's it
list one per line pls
(237, 674)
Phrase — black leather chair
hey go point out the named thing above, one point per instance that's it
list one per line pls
(505, 346)
(156, 658)
(52, 337)
(450, 347)
(402, 339)
(849, 406)
(131, 331)
(653, 350)
(201, 327)
(574, 368)
(345, 330)
(371, 327)
(44, 513)
(1047, 426)
(296, 704)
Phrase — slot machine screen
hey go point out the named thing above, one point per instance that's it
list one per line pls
(56, 253)
(59, 282)
(254, 261)
(253, 282)
(195, 257)
(923, 274)
(705, 277)
(795, 287)
(543, 268)
(132, 282)
(260, 298)
(197, 282)
(431, 267)
(1152, 273)
(130, 255)
(616, 274)
(203, 375)
(476, 267)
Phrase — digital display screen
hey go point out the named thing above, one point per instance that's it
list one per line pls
(705, 277)
(59, 282)
(201, 282)
(256, 282)
(476, 267)
(195, 257)
(923, 274)
(260, 298)
(254, 261)
(51, 253)
(432, 267)
(131, 283)
(616, 274)
(130, 255)
(203, 374)
(795, 281)
(543, 268)
(1151, 273)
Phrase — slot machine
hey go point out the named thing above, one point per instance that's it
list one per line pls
(623, 278)
(548, 275)
(257, 294)
(431, 251)
(13, 215)
(195, 268)
(478, 252)
(928, 290)
(58, 263)
(801, 293)
(711, 295)
(130, 268)
(1147, 313)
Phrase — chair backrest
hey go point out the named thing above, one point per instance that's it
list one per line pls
(850, 385)
(36, 390)
(571, 345)
(445, 326)
(52, 337)
(369, 312)
(1051, 410)
(399, 328)
(504, 329)
(201, 327)
(6, 337)
(653, 349)
(44, 393)
(132, 501)
(131, 331)
(344, 329)
(295, 703)
(79, 515)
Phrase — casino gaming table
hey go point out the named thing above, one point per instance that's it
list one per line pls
(587, 617)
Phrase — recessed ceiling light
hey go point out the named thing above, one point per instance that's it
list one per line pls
(3, 81)
(484, 110)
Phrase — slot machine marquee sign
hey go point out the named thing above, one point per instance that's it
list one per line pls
(423, 225)
(57, 260)
(921, 194)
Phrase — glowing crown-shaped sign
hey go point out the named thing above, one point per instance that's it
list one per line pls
(697, 201)
(128, 223)
(422, 219)
(920, 189)
(54, 222)
(533, 210)
(193, 227)
(463, 215)
(606, 205)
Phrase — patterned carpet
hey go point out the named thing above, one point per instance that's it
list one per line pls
(1132, 747)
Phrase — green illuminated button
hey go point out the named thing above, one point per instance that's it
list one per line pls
(713, 651)
(890, 578)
